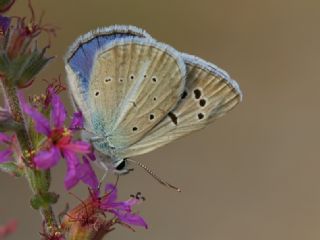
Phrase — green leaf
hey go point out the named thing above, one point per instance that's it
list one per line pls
(31, 66)
(11, 168)
(44, 200)
(24, 67)
(40, 180)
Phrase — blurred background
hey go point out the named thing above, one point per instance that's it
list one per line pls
(253, 174)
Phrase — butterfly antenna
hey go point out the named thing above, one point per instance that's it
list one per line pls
(150, 172)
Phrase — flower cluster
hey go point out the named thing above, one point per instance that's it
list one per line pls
(98, 214)
(59, 140)
(20, 58)
(37, 132)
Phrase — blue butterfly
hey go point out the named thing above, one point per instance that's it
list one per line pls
(137, 94)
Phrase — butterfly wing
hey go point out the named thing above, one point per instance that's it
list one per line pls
(134, 83)
(123, 84)
(80, 58)
(209, 94)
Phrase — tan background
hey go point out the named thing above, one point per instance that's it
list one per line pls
(254, 174)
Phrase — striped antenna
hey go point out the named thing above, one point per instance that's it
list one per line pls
(164, 183)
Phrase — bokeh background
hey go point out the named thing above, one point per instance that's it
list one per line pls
(254, 174)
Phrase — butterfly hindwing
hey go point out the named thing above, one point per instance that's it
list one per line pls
(134, 84)
(208, 95)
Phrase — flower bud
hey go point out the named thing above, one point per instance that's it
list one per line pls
(20, 58)
(7, 122)
(5, 5)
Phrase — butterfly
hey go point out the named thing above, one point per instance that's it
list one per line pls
(137, 94)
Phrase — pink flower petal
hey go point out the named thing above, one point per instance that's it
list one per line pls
(58, 113)
(79, 147)
(77, 121)
(47, 159)
(4, 138)
(91, 156)
(71, 178)
(87, 175)
(122, 210)
(5, 155)
(42, 124)
(4, 23)
(130, 218)
(111, 193)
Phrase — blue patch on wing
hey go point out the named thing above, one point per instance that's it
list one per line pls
(81, 61)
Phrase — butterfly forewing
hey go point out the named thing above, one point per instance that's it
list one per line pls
(81, 56)
(208, 95)
(133, 85)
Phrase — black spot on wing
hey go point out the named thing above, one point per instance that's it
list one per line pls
(200, 116)
(184, 95)
(173, 118)
(197, 93)
(202, 102)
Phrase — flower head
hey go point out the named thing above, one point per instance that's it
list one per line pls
(98, 214)
(122, 210)
(20, 58)
(43, 101)
(59, 140)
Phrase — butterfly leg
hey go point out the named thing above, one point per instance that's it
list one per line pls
(96, 139)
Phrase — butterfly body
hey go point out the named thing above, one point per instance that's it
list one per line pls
(137, 94)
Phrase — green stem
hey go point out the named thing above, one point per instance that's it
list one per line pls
(39, 181)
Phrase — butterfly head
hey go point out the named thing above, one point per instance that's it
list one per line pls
(121, 167)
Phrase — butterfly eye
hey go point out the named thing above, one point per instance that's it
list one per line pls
(121, 165)
(134, 129)
(154, 99)
(154, 79)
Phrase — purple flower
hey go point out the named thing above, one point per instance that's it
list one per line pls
(4, 24)
(91, 216)
(122, 210)
(60, 143)
(6, 154)
(86, 174)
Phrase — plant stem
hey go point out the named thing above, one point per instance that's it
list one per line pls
(33, 176)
